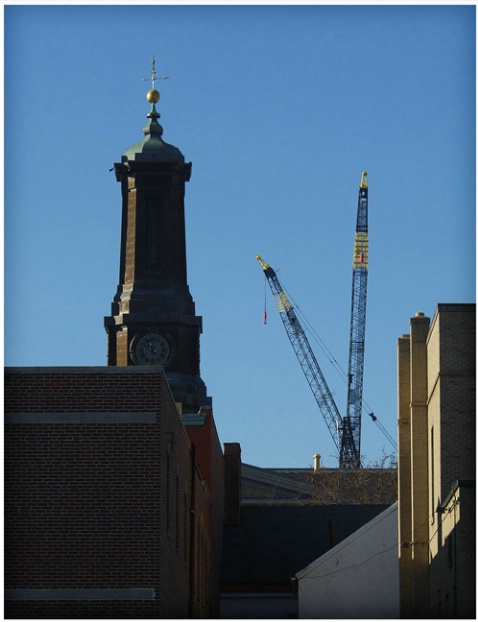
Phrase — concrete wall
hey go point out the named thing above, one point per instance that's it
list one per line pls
(356, 579)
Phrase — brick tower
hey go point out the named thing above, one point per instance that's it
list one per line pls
(153, 319)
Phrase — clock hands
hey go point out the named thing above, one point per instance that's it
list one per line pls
(151, 347)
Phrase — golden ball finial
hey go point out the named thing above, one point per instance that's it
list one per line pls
(153, 96)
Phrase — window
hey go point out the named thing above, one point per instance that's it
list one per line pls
(153, 234)
(177, 512)
(432, 474)
(168, 492)
(449, 552)
(186, 525)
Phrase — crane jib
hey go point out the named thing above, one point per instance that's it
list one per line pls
(306, 357)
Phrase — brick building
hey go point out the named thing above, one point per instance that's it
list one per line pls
(106, 512)
(436, 426)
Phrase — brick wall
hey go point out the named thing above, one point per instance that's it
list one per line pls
(456, 334)
(419, 326)
(202, 431)
(453, 563)
(232, 462)
(404, 478)
(98, 497)
(452, 446)
(436, 417)
(201, 596)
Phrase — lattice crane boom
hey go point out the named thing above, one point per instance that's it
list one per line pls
(352, 422)
(305, 355)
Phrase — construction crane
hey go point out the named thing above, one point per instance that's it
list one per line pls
(305, 354)
(350, 447)
(345, 431)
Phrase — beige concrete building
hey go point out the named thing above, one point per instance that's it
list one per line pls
(357, 578)
(436, 468)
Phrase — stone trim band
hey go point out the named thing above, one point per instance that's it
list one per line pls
(86, 418)
(135, 593)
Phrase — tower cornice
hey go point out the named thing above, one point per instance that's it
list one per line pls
(128, 166)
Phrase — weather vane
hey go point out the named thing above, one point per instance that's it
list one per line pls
(153, 76)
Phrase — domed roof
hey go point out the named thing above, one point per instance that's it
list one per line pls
(153, 148)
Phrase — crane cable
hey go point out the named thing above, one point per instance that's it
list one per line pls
(343, 375)
(332, 360)
(265, 299)
(382, 429)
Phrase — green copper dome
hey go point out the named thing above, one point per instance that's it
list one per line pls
(153, 148)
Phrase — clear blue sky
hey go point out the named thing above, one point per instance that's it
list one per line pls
(280, 109)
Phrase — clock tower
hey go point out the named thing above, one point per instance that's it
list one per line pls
(153, 319)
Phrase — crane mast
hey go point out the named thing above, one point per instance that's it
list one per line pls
(352, 422)
(345, 431)
(305, 354)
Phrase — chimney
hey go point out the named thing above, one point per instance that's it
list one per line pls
(232, 483)
(316, 458)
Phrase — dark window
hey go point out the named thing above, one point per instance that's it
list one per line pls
(153, 234)
(168, 491)
(449, 552)
(186, 526)
(432, 457)
(177, 512)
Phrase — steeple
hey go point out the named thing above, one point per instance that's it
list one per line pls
(153, 319)
(153, 148)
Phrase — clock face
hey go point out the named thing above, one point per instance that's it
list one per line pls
(150, 349)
